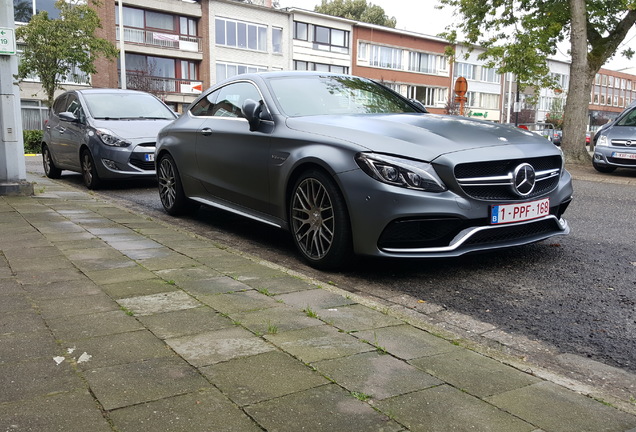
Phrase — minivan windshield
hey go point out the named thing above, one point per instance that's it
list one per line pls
(126, 106)
(628, 120)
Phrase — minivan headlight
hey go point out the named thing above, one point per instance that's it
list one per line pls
(602, 141)
(401, 172)
(109, 138)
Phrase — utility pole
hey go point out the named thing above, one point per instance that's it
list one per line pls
(12, 163)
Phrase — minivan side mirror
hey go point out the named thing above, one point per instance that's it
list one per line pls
(68, 117)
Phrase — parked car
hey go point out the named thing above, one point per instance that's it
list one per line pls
(349, 166)
(557, 135)
(615, 143)
(103, 134)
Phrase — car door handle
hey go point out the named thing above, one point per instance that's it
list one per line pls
(206, 131)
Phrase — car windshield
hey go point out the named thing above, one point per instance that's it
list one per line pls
(126, 106)
(629, 119)
(329, 95)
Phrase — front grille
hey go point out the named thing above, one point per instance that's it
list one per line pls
(143, 165)
(624, 143)
(492, 180)
(512, 232)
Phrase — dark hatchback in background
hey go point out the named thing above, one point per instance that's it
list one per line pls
(103, 134)
(615, 143)
(351, 167)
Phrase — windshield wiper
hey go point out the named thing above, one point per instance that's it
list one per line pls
(107, 118)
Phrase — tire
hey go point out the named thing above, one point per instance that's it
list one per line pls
(173, 198)
(89, 170)
(603, 168)
(50, 169)
(319, 221)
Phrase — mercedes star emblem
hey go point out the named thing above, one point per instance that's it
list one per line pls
(523, 179)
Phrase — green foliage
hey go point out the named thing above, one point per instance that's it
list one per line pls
(54, 48)
(357, 10)
(32, 141)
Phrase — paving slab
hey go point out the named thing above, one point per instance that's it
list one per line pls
(236, 302)
(356, 318)
(376, 375)
(116, 275)
(200, 411)
(216, 346)
(97, 324)
(137, 288)
(80, 305)
(275, 320)
(69, 411)
(278, 284)
(261, 377)
(214, 285)
(185, 322)
(150, 380)
(61, 289)
(25, 321)
(552, 407)
(317, 343)
(159, 303)
(474, 373)
(19, 347)
(406, 342)
(315, 299)
(323, 409)
(444, 408)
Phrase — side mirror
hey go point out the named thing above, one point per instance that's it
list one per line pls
(68, 117)
(252, 112)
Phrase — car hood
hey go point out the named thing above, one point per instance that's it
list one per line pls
(133, 130)
(422, 136)
(620, 132)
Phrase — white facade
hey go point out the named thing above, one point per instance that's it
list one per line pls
(247, 38)
(554, 100)
(320, 42)
(484, 84)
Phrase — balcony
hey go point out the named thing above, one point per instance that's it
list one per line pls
(160, 85)
(161, 40)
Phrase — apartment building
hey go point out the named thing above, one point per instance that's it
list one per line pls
(611, 93)
(484, 96)
(414, 65)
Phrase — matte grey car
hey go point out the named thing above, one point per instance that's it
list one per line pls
(103, 134)
(350, 167)
(615, 145)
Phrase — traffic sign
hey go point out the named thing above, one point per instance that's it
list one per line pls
(7, 41)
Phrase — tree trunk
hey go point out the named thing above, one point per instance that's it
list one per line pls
(581, 78)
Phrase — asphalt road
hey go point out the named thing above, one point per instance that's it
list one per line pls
(576, 293)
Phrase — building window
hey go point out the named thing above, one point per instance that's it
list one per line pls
(320, 67)
(277, 40)
(23, 10)
(429, 96)
(421, 62)
(386, 57)
(490, 75)
(301, 30)
(241, 34)
(465, 70)
(324, 38)
(489, 101)
(227, 70)
(362, 50)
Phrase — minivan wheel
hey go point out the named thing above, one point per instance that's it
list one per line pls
(89, 170)
(173, 198)
(319, 221)
(50, 169)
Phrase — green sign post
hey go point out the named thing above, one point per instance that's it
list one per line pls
(7, 41)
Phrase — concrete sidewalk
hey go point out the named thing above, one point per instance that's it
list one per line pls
(110, 321)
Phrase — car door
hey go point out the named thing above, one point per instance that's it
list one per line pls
(232, 160)
(72, 133)
(55, 128)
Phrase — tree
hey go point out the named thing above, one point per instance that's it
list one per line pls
(519, 36)
(55, 49)
(357, 10)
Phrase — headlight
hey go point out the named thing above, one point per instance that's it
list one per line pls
(602, 141)
(401, 172)
(110, 139)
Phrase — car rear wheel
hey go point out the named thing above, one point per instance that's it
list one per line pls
(89, 170)
(319, 221)
(603, 168)
(50, 169)
(173, 198)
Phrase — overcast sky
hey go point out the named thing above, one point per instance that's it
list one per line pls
(420, 16)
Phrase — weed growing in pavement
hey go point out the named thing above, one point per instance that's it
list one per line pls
(310, 313)
(126, 311)
(271, 328)
(360, 396)
(264, 291)
(171, 282)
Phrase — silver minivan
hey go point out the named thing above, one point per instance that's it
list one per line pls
(616, 143)
(103, 134)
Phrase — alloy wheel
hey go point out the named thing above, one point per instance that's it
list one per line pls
(313, 221)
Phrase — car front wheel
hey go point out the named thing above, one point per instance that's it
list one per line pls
(319, 221)
(173, 198)
(50, 169)
(89, 170)
(603, 168)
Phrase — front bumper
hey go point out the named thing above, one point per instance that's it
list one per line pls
(606, 156)
(125, 162)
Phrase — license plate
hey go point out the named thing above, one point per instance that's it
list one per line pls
(508, 213)
(149, 157)
(624, 155)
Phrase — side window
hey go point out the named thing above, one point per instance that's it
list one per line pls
(75, 108)
(204, 106)
(231, 97)
(60, 104)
